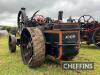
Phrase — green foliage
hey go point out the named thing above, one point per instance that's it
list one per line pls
(11, 30)
(11, 64)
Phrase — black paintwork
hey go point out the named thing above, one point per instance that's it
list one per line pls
(69, 51)
(52, 41)
(68, 46)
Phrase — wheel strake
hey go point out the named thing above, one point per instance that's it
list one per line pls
(32, 47)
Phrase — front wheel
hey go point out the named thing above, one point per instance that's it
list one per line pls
(12, 43)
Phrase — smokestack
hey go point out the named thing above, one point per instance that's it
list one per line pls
(60, 15)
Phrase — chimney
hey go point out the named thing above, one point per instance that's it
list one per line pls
(60, 15)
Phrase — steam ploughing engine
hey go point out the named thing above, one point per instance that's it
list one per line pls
(41, 37)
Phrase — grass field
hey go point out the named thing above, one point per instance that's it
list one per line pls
(11, 64)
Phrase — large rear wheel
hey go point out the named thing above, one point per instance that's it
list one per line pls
(96, 37)
(32, 47)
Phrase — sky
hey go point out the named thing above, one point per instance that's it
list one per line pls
(48, 8)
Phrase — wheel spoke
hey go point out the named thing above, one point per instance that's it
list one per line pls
(89, 18)
(30, 60)
(26, 37)
(84, 19)
(26, 54)
(29, 46)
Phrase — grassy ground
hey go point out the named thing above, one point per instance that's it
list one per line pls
(11, 64)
